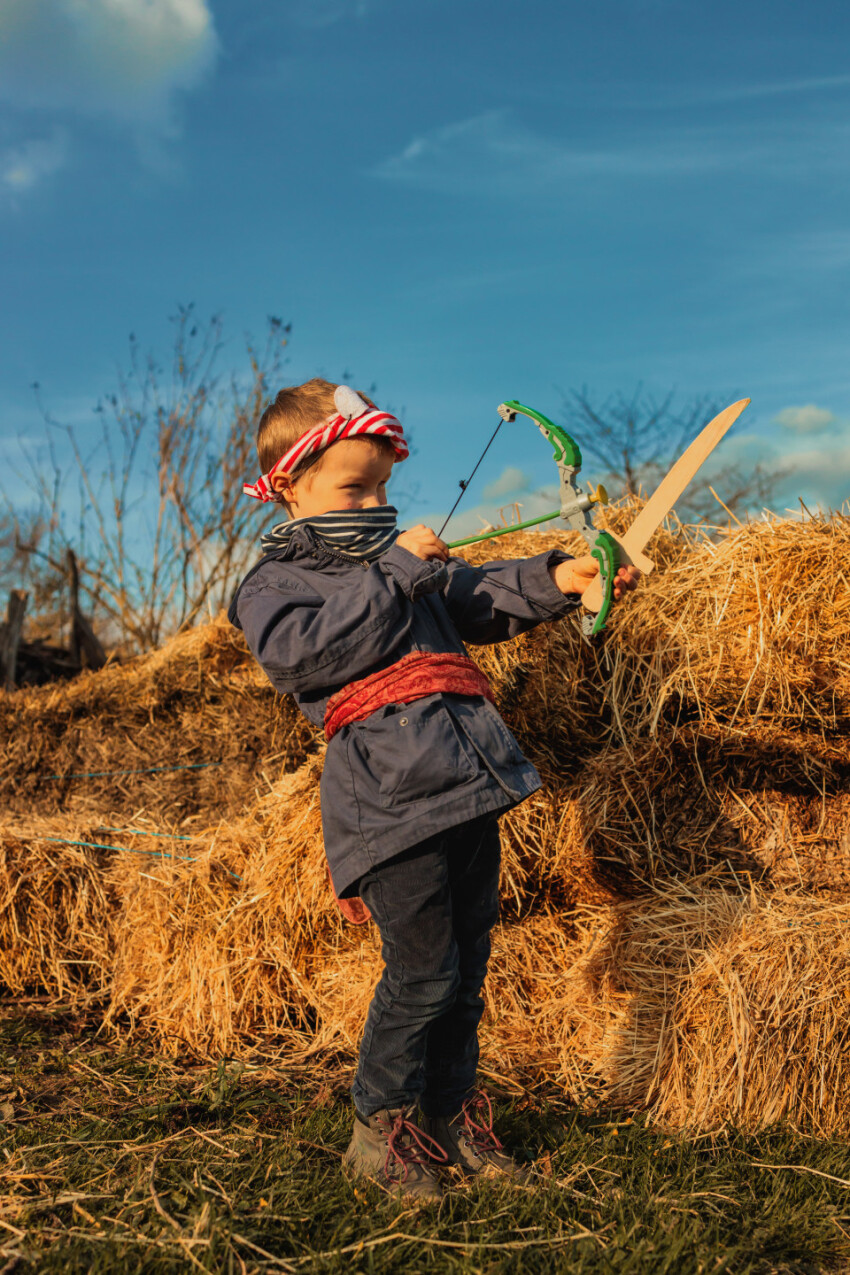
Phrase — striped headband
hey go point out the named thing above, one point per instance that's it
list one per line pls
(354, 419)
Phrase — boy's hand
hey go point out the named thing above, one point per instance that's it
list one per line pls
(424, 542)
(575, 576)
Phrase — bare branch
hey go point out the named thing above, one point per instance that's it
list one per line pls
(161, 528)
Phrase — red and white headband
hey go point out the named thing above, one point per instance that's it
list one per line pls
(355, 418)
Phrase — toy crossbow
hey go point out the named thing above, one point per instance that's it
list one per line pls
(609, 550)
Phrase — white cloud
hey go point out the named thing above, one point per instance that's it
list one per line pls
(818, 476)
(511, 482)
(122, 58)
(28, 163)
(808, 419)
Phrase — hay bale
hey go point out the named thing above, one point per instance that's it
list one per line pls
(751, 627)
(752, 624)
(216, 953)
(768, 805)
(58, 913)
(545, 1018)
(708, 730)
(201, 698)
(701, 1007)
(737, 1011)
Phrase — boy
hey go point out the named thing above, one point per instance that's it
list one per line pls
(365, 627)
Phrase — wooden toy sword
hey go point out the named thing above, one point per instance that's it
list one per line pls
(632, 543)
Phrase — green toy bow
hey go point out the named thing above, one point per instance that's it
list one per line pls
(574, 511)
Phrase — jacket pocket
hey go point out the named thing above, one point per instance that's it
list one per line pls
(415, 751)
(495, 746)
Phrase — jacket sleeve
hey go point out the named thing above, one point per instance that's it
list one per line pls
(306, 642)
(499, 600)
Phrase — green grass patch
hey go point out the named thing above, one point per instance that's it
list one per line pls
(121, 1162)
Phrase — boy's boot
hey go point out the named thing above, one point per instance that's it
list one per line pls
(470, 1143)
(393, 1151)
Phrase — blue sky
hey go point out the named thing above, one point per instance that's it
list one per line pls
(459, 200)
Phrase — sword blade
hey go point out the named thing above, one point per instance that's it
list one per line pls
(677, 479)
(668, 492)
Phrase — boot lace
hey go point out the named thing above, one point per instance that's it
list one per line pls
(408, 1145)
(477, 1114)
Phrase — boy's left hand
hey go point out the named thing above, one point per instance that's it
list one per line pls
(574, 576)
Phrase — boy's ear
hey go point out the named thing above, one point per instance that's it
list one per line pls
(282, 484)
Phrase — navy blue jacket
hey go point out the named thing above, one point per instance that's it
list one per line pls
(317, 621)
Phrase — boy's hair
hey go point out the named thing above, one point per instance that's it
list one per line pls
(296, 409)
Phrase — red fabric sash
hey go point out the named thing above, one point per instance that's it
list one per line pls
(412, 677)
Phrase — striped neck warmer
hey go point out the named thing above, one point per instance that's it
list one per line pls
(359, 533)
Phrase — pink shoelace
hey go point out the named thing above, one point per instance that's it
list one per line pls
(408, 1145)
(479, 1131)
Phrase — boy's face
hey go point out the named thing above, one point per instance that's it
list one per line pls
(353, 475)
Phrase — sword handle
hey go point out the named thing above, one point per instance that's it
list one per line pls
(627, 552)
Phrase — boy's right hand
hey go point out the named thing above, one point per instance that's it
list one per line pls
(424, 543)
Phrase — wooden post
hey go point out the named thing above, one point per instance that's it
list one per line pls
(86, 650)
(11, 637)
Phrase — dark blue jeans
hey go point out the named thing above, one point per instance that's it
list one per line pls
(434, 905)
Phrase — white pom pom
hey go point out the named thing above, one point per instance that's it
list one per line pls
(348, 402)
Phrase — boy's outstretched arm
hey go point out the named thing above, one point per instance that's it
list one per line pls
(499, 600)
(502, 599)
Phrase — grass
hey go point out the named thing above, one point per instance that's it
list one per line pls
(120, 1162)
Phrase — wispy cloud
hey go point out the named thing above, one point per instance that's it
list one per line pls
(492, 149)
(318, 14)
(28, 163)
(493, 153)
(776, 88)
